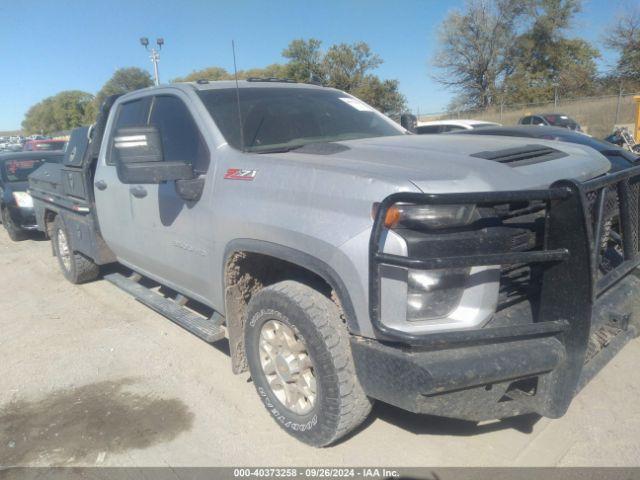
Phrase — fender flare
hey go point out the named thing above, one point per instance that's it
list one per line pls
(303, 260)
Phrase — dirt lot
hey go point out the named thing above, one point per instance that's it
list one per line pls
(88, 376)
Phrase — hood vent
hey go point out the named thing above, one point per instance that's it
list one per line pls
(522, 156)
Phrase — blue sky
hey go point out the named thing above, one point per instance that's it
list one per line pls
(49, 46)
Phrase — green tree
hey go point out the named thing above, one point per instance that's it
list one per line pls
(219, 73)
(343, 66)
(210, 73)
(64, 111)
(382, 94)
(476, 45)
(124, 80)
(545, 61)
(305, 60)
(511, 51)
(275, 70)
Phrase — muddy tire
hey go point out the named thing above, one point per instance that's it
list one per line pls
(75, 267)
(301, 364)
(15, 232)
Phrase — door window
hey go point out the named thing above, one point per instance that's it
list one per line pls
(526, 121)
(181, 139)
(130, 114)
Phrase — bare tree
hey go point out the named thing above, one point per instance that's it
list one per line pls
(624, 38)
(475, 48)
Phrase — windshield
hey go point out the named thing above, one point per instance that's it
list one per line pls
(285, 118)
(19, 169)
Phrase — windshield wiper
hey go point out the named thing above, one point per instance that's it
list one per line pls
(278, 149)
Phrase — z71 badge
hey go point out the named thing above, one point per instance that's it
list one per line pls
(239, 174)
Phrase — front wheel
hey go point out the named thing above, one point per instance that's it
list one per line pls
(301, 364)
(76, 267)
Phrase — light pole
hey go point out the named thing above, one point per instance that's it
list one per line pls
(155, 55)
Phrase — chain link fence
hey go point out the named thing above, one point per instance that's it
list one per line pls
(596, 115)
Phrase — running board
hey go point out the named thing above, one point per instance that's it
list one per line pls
(209, 330)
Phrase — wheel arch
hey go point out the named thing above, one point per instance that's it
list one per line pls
(48, 218)
(303, 267)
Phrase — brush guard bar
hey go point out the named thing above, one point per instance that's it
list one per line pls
(572, 236)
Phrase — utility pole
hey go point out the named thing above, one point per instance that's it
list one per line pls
(155, 55)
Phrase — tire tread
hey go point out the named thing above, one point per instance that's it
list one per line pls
(354, 405)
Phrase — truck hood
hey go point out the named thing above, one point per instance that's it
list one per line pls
(454, 163)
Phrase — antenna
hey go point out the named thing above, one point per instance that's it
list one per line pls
(235, 72)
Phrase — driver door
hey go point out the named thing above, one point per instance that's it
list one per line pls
(173, 245)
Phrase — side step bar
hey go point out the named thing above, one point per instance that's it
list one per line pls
(209, 330)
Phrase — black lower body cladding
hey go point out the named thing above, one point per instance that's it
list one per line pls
(508, 376)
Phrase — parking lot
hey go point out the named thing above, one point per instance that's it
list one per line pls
(88, 376)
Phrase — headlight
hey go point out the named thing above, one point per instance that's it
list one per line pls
(434, 294)
(429, 216)
(23, 199)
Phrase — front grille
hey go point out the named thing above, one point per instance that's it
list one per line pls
(521, 282)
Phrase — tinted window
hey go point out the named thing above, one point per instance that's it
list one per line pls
(17, 170)
(131, 114)
(181, 139)
(561, 121)
(428, 129)
(451, 128)
(526, 121)
(281, 118)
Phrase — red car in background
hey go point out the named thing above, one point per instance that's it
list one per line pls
(44, 145)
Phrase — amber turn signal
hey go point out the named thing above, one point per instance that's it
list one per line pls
(391, 218)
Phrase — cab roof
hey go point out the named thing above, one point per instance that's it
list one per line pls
(251, 83)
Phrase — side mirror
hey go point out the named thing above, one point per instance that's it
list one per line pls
(409, 122)
(139, 157)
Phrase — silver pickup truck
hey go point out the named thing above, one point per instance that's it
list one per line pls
(348, 261)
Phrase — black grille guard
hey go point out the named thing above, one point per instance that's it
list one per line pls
(570, 284)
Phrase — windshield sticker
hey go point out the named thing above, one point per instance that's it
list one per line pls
(357, 104)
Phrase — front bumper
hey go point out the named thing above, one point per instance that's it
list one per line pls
(499, 378)
(523, 363)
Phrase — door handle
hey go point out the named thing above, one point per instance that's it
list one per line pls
(138, 191)
(101, 185)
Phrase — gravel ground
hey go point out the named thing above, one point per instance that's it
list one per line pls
(88, 376)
